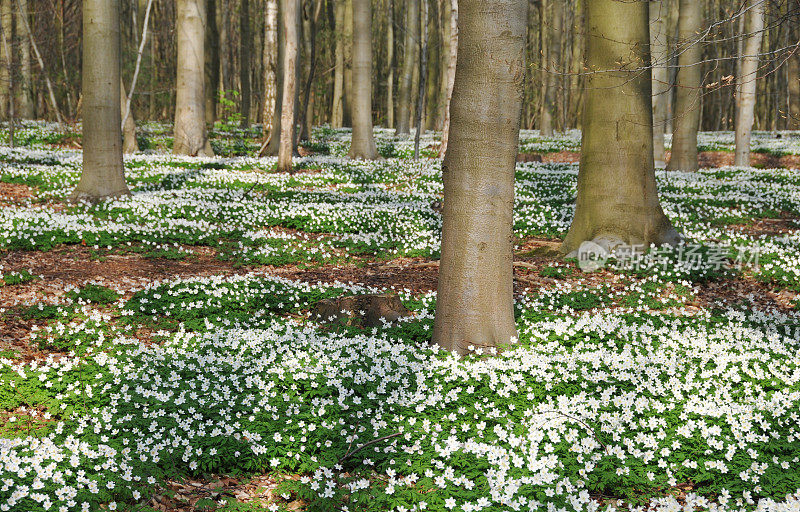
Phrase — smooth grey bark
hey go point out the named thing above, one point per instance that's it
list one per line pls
(363, 142)
(244, 60)
(689, 87)
(287, 130)
(211, 62)
(103, 172)
(423, 76)
(129, 144)
(617, 195)
(746, 81)
(270, 63)
(347, 119)
(659, 52)
(337, 108)
(553, 66)
(390, 65)
(403, 116)
(26, 84)
(191, 137)
(475, 304)
(6, 95)
(272, 144)
(450, 75)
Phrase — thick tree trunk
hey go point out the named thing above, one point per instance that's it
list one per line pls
(191, 137)
(475, 305)
(451, 71)
(617, 196)
(688, 106)
(129, 144)
(659, 55)
(287, 130)
(337, 108)
(409, 63)
(26, 84)
(746, 81)
(245, 44)
(212, 62)
(103, 172)
(390, 65)
(794, 91)
(272, 145)
(363, 142)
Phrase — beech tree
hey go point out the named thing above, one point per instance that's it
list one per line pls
(659, 54)
(363, 142)
(475, 305)
(403, 117)
(617, 200)
(103, 172)
(191, 137)
(689, 87)
(746, 81)
(291, 41)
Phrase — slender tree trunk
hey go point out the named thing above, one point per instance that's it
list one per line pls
(475, 305)
(245, 43)
(7, 20)
(746, 81)
(129, 144)
(363, 143)
(423, 75)
(337, 108)
(103, 171)
(287, 129)
(794, 92)
(390, 65)
(617, 196)
(190, 117)
(407, 74)
(270, 64)
(688, 106)
(310, 47)
(451, 72)
(660, 54)
(433, 103)
(212, 62)
(347, 119)
(48, 83)
(26, 84)
(553, 66)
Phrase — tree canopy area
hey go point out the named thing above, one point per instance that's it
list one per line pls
(399, 255)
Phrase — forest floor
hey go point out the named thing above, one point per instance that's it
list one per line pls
(158, 352)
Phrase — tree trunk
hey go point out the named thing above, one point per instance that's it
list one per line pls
(390, 65)
(659, 55)
(553, 67)
(451, 71)
(190, 106)
(337, 108)
(6, 60)
(212, 63)
(794, 92)
(409, 63)
(129, 144)
(272, 145)
(26, 84)
(746, 81)
(617, 196)
(245, 44)
(103, 173)
(270, 64)
(363, 142)
(433, 102)
(423, 76)
(287, 129)
(347, 119)
(689, 87)
(475, 305)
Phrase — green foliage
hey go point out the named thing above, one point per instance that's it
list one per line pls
(95, 294)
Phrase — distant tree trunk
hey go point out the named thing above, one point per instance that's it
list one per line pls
(390, 65)
(337, 108)
(310, 20)
(451, 71)
(287, 129)
(409, 63)
(190, 117)
(475, 304)
(40, 61)
(270, 64)
(103, 172)
(347, 119)
(433, 104)
(245, 43)
(129, 144)
(212, 62)
(689, 87)
(423, 75)
(746, 81)
(7, 19)
(26, 84)
(553, 66)
(794, 92)
(617, 196)
(363, 142)
(659, 55)
(273, 142)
